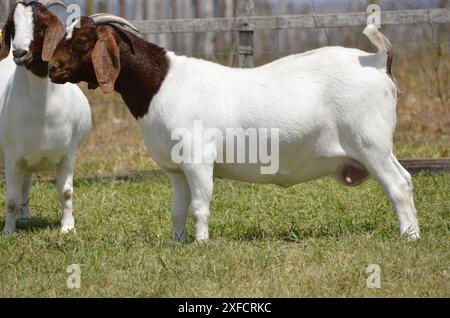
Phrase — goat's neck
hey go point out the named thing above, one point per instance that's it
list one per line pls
(30, 84)
(144, 67)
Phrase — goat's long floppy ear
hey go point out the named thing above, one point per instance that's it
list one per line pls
(53, 35)
(5, 45)
(106, 61)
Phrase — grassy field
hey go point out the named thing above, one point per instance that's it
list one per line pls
(315, 239)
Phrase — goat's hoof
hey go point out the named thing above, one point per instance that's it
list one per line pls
(9, 232)
(413, 237)
(25, 213)
(68, 230)
(179, 238)
(26, 216)
(412, 234)
(201, 240)
(202, 235)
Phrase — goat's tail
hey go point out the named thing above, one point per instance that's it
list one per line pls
(382, 43)
(384, 46)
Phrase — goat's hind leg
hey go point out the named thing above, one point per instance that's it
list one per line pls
(180, 205)
(25, 211)
(398, 185)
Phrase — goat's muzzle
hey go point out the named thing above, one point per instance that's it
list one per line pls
(22, 57)
(58, 75)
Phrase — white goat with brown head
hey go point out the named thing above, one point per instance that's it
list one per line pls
(334, 108)
(41, 124)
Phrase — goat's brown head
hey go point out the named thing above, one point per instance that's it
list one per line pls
(34, 33)
(90, 52)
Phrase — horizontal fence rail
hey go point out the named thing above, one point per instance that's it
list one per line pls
(310, 21)
(432, 166)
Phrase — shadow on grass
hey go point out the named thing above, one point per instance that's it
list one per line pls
(36, 224)
(297, 234)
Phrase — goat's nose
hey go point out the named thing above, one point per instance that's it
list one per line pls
(19, 53)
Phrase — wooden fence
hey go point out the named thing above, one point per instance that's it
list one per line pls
(246, 24)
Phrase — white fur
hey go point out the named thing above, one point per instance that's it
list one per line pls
(24, 26)
(71, 28)
(41, 127)
(331, 105)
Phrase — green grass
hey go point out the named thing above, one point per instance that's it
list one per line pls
(315, 239)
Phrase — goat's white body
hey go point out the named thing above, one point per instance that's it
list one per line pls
(330, 105)
(41, 127)
(318, 100)
(41, 121)
(7, 68)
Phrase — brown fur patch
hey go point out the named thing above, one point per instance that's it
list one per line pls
(390, 61)
(91, 56)
(106, 59)
(68, 195)
(11, 206)
(53, 35)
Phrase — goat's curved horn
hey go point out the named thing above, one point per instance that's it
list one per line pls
(50, 3)
(106, 18)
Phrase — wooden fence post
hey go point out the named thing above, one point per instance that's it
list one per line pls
(3, 13)
(246, 8)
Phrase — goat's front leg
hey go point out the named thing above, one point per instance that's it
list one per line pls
(64, 183)
(14, 180)
(180, 205)
(201, 183)
(25, 212)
